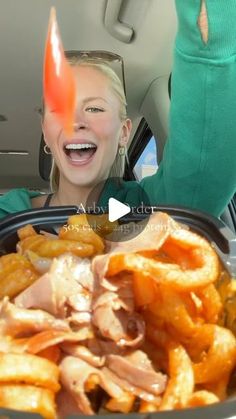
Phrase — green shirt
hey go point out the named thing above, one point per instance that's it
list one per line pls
(16, 200)
(198, 169)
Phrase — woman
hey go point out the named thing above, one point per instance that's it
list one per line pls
(100, 134)
(198, 166)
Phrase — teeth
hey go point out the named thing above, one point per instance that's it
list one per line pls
(79, 146)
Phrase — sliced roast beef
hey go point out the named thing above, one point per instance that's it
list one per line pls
(135, 374)
(48, 338)
(15, 321)
(112, 299)
(137, 369)
(84, 353)
(59, 287)
(83, 274)
(66, 405)
(75, 372)
(126, 329)
(78, 319)
(126, 386)
(102, 347)
(118, 291)
(150, 239)
(81, 301)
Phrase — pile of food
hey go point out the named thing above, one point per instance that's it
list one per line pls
(90, 326)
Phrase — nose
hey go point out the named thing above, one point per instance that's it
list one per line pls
(80, 125)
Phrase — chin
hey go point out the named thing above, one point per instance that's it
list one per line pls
(87, 177)
(86, 181)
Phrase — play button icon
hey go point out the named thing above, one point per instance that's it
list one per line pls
(116, 209)
(112, 214)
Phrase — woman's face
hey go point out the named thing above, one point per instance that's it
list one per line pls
(86, 157)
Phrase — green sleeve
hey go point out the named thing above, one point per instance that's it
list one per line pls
(16, 200)
(198, 169)
(2, 214)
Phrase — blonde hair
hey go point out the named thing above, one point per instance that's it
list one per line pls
(118, 167)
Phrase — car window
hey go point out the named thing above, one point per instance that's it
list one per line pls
(147, 165)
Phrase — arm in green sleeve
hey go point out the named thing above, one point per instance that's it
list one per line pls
(198, 169)
(3, 214)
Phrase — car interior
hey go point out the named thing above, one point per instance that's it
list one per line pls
(122, 27)
(125, 29)
(168, 315)
(142, 32)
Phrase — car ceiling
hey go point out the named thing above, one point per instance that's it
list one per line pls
(23, 28)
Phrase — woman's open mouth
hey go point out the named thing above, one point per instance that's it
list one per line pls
(80, 153)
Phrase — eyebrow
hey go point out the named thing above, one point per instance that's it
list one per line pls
(89, 99)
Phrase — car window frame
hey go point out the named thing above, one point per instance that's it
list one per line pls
(140, 140)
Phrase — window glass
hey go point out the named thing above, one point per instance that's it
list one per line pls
(147, 162)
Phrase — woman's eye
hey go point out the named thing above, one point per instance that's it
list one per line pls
(94, 109)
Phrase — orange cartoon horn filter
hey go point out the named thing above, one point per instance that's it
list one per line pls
(58, 80)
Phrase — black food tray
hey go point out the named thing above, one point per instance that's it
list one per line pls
(213, 229)
(224, 410)
(49, 219)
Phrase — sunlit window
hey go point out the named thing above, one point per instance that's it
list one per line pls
(147, 162)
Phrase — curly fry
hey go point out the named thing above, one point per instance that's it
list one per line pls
(181, 382)
(202, 398)
(124, 404)
(16, 274)
(26, 231)
(79, 230)
(29, 369)
(98, 223)
(30, 243)
(173, 309)
(159, 337)
(86, 236)
(28, 398)
(169, 274)
(221, 356)
(91, 383)
(148, 407)
(219, 388)
(54, 248)
(145, 289)
(211, 302)
(12, 261)
(47, 247)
